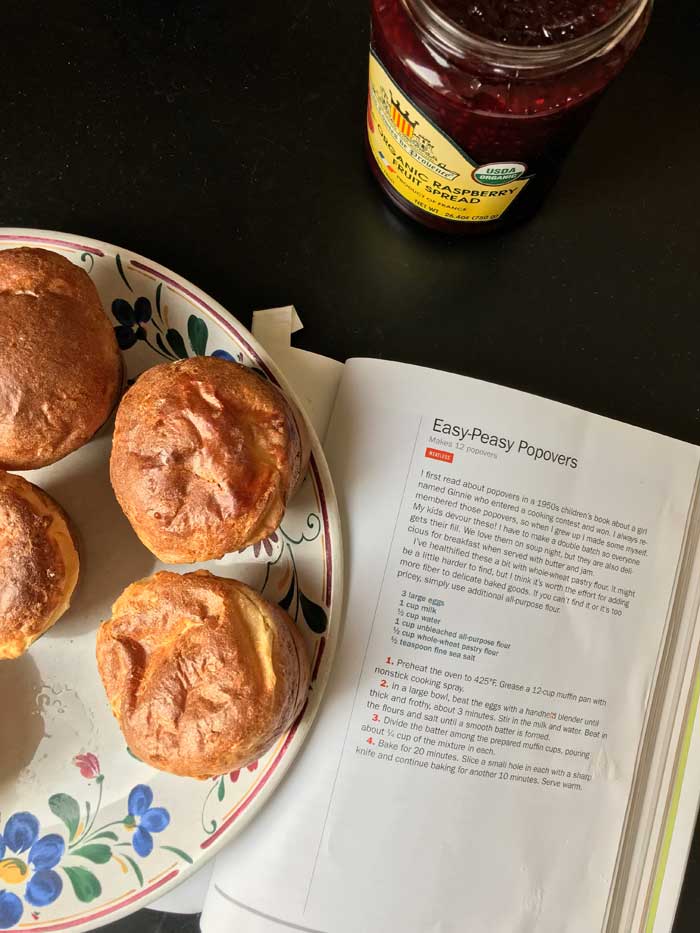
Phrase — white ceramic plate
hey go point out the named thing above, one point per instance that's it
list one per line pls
(88, 833)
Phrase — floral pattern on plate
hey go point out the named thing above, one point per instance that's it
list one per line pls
(89, 833)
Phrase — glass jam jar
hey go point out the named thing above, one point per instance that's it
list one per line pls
(473, 104)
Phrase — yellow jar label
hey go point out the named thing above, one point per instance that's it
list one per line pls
(425, 166)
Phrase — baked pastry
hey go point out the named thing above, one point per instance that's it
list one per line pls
(60, 366)
(202, 673)
(39, 563)
(205, 456)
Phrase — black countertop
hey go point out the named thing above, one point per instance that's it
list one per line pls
(226, 143)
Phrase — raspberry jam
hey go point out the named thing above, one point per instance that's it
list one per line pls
(473, 104)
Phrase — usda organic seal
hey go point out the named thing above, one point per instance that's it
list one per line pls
(499, 173)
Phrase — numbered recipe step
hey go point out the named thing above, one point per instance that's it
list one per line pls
(423, 716)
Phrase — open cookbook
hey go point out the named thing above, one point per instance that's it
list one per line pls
(506, 732)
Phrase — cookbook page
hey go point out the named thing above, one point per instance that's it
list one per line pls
(511, 563)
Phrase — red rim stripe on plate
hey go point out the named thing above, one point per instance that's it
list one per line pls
(76, 921)
(273, 767)
(321, 649)
(222, 320)
(43, 239)
(326, 539)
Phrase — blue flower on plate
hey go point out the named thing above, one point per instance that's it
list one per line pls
(43, 885)
(144, 819)
(225, 355)
(130, 320)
